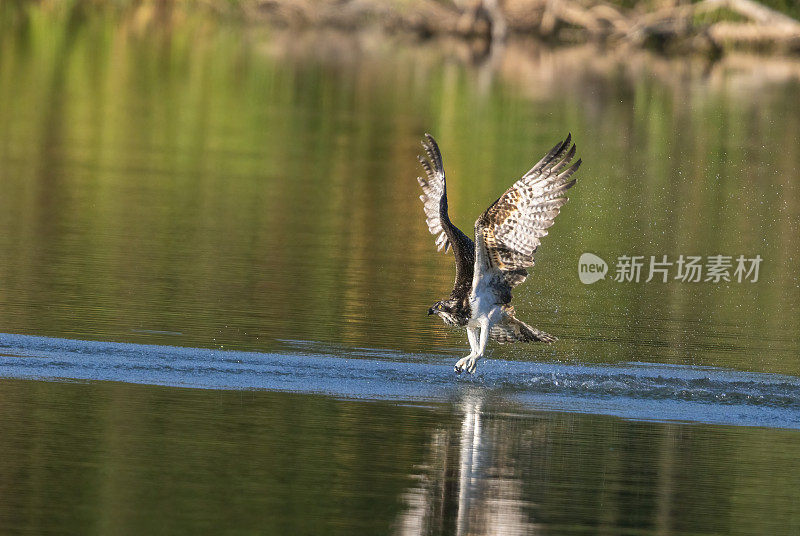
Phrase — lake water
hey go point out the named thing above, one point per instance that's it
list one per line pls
(215, 272)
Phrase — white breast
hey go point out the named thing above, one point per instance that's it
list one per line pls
(481, 301)
(482, 298)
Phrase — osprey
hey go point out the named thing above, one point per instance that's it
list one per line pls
(506, 237)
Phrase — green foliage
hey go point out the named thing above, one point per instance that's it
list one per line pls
(718, 15)
(787, 7)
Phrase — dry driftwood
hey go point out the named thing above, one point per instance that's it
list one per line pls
(765, 28)
(671, 27)
(755, 37)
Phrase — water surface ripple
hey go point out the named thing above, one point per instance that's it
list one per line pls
(640, 391)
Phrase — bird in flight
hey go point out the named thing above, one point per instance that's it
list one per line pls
(507, 235)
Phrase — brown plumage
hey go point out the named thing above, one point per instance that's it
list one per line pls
(434, 203)
(507, 236)
(511, 329)
(512, 228)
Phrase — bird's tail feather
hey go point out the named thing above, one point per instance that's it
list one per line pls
(512, 329)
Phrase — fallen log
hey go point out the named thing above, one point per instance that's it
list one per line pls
(780, 38)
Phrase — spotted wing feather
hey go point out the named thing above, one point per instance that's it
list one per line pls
(434, 192)
(512, 228)
(434, 203)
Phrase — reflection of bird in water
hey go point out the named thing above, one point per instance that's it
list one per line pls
(506, 237)
(468, 484)
(470, 458)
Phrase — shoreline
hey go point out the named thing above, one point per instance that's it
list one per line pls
(531, 65)
(711, 28)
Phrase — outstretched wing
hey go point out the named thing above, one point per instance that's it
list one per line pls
(511, 229)
(434, 202)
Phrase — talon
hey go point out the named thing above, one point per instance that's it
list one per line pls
(461, 365)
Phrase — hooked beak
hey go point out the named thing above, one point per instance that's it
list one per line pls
(430, 311)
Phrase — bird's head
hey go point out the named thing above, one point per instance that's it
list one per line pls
(445, 310)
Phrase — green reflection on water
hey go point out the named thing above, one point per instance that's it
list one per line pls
(129, 459)
(239, 188)
(116, 459)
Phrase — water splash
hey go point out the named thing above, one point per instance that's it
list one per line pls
(634, 390)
